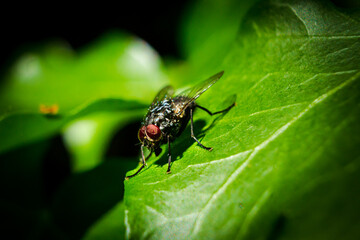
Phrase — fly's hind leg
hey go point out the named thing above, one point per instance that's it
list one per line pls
(192, 132)
(211, 113)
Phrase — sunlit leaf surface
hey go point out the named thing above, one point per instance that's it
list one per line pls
(285, 162)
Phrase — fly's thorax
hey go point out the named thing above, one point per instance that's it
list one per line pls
(160, 114)
(165, 115)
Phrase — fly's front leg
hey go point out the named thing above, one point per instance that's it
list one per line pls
(169, 155)
(192, 132)
(143, 162)
(211, 113)
(147, 158)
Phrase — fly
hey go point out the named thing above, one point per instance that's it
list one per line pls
(168, 116)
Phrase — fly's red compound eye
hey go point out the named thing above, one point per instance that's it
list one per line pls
(141, 133)
(153, 132)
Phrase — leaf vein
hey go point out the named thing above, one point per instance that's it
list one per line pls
(296, 14)
(264, 144)
(200, 165)
(253, 211)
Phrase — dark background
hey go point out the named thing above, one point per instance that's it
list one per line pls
(24, 26)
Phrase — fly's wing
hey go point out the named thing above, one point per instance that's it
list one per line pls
(193, 93)
(167, 91)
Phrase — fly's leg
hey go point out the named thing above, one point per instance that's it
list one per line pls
(147, 158)
(143, 162)
(169, 155)
(192, 132)
(211, 114)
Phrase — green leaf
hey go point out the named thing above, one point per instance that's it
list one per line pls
(116, 66)
(98, 91)
(19, 129)
(286, 159)
(87, 138)
(111, 226)
(209, 29)
(111, 78)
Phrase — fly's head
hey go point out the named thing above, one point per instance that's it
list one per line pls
(150, 136)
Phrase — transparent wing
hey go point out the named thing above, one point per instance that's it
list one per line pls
(193, 93)
(167, 91)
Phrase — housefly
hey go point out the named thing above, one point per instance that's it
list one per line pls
(168, 116)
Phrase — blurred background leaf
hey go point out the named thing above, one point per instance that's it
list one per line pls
(116, 66)
(209, 29)
(98, 93)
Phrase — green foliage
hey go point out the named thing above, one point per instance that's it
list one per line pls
(57, 187)
(21, 128)
(209, 29)
(116, 66)
(285, 162)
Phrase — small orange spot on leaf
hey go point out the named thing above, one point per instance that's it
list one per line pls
(49, 109)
